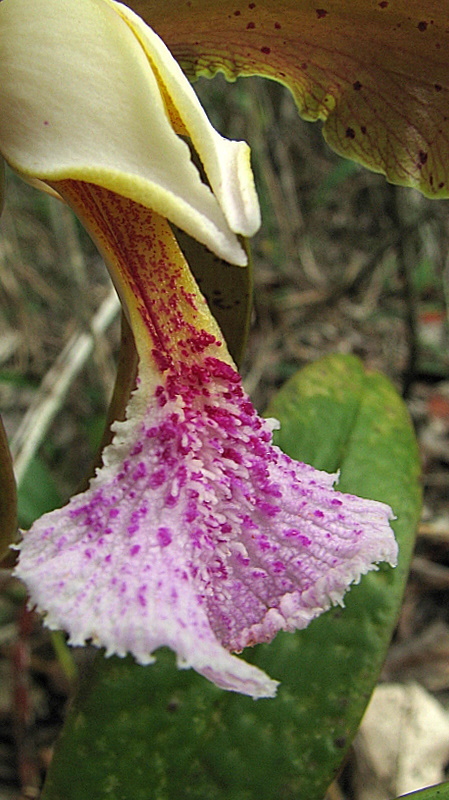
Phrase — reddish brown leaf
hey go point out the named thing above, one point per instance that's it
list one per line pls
(376, 71)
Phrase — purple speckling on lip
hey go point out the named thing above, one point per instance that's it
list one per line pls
(164, 537)
(137, 449)
(199, 558)
(140, 471)
(141, 596)
(132, 529)
(267, 508)
(157, 478)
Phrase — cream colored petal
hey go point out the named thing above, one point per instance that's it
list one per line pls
(226, 163)
(79, 100)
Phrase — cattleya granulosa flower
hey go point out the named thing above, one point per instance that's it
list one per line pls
(196, 533)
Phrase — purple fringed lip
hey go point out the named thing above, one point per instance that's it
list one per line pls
(201, 535)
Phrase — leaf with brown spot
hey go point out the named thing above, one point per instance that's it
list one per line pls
(375, 71)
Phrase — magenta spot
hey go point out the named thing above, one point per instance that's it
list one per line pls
(336, 502)
(250, 26)
(321, 13)
(248, 408)
(277, 25)
(157, 479)
(202, 340)
(108, 558)
(137, 449)
(140, 471)
(164, 537)
(247, 523)
(163, 361)
(264, 544)
(267, 508)
(196, 537)
(134, 550)
(141, 596)
(161, 398)
(132, 529)
(191, 511)
(258, 573)
(319, 514)
(278, 567)
(114, 512)
(75, 512)
(88, 553)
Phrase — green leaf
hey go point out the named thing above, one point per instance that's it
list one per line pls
(8, 496)
(37, 493)
(156, 733)
(440, 792)
(376, 72)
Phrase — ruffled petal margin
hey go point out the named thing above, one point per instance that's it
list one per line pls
(200, 535)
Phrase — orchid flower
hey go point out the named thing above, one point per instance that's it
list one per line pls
(197, 533)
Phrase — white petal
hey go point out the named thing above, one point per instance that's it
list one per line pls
(79, 100)
(227, 163)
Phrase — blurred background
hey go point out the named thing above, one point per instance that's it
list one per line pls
(344, 263)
